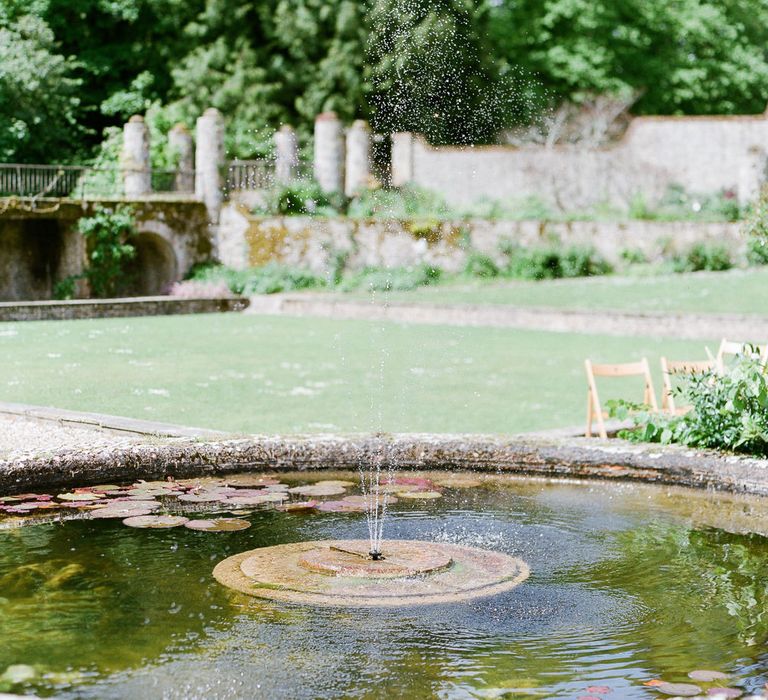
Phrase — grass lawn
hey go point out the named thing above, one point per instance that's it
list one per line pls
(734, 291)
(248, 373)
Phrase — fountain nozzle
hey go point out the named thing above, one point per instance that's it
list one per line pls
(376, 556)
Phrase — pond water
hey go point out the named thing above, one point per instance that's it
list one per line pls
(628, 584)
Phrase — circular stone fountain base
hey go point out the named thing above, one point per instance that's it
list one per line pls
(341, 572)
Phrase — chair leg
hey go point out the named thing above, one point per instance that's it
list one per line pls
(589, 414)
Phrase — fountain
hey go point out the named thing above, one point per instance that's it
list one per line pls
(364, 572)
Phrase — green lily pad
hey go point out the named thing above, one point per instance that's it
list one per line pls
(218, 525)
(155, 521)
(318, 490)
(87, 496)
(250, 480)
(18, 673)
(427, 495)
(681, 689)
(705, 676)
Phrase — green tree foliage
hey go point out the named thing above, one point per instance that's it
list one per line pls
(685, 56)
(38, 92)
(431, 71)
(456, 70)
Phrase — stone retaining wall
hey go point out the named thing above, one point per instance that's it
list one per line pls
(315, 243)
(115, 308)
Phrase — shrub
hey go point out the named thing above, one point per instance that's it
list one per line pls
(268, 279)
(756, 231)
(393, 279)
(703, 256)
(108, 234)
(301, 198)
(729, 411)
(633, 256)
(480, 265)
(552, 262)
(399, 203)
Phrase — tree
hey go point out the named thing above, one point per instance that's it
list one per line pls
(38, 93)
(431, 71)
(682, 56)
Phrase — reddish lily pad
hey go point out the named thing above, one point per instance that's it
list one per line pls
(705, 676)
(155, 521)
(599, 689)
(218, 525)
(681, 689)
(125, 510)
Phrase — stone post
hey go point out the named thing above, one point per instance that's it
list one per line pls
(134, 158)
(209, 159)
(286, 154)
(329, 152)
(180, 141)
(358, 165)
(402, 158)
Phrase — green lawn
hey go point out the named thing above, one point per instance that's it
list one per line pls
(269, 374)
(735, 291)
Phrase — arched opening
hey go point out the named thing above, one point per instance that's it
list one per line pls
(30, 258)
(154, 268)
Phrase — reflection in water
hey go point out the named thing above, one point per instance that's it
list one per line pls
(628, 583)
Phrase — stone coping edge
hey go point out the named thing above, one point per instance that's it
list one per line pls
(581, 458)
(687, 325)
(108, 423)
(116, 308)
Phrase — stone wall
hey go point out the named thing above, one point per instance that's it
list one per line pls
(703, 154)
(40, 244)
(246, 240)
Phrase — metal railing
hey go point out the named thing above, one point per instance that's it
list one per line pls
(249, 175)
(83, 182)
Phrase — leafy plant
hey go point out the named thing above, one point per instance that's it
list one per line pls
(756, 230)
(480, 265)
(108, 233)
(301, 198)
(729, 411)
(393, 279)
(703, 256)
(268, 279)
(552, 261)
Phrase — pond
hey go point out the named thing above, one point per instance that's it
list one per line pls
(629, 584)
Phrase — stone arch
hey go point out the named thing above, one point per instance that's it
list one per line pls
(154, 268)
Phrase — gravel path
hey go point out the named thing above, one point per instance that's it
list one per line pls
(23, 438)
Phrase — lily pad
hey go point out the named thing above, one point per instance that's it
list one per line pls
(365, 500)
(89, 496)
(705, 676)
(428, 495)
(459, 481)
(198, 498)
(218, 525)
(18, 673)
(155, 521)
(250, 480)
(335, 482)
(318, 490)
(248, 500)
(125, 510)
(298, 506)
(681, 689)
(107, 488)
(341, 507)
(725, 692)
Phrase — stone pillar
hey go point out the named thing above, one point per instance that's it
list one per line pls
(751, 175)
(180, 141)
(329, 152)
(402, 158)
(286, 154)
(134, 158)
(209, 160)
(358, 164)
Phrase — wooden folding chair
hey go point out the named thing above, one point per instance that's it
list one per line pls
(729, 348)
(671, 367)
(628, 369)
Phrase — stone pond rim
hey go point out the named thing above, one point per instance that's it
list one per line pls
(525, 455)
(340, 573)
